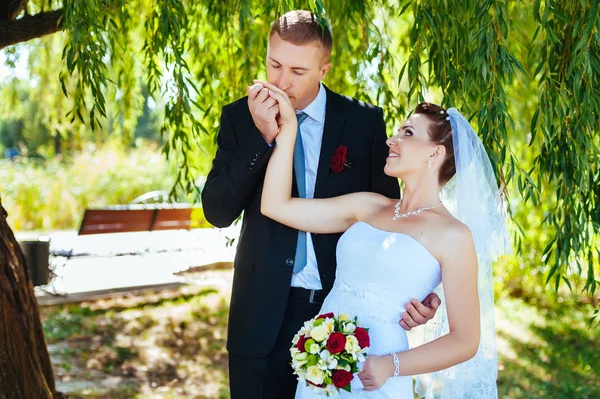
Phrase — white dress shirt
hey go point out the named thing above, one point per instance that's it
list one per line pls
(312, 136)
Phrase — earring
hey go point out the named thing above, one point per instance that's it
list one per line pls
(429, 163)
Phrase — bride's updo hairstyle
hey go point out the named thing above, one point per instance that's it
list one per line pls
(440, 132)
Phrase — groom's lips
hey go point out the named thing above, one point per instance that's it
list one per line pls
(393, 154)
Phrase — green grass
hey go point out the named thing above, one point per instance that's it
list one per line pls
(171, 345)
(550, 352)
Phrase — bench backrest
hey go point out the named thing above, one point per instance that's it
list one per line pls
(119, 220)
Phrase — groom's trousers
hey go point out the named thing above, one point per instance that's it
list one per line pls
(271, 377)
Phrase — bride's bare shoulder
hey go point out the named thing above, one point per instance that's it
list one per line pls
(454, 235)
(449, 227)
(369, 203)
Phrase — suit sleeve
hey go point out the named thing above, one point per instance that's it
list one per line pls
(236, 172)
(380, 182)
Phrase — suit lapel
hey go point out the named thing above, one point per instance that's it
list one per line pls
(334, 123)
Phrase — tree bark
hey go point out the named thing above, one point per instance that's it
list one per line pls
(10, 9)
(25, 368)
(29, 27)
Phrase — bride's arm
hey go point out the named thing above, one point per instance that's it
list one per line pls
(327, 215)
(459, 279)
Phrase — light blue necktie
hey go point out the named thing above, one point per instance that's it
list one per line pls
(300, 170)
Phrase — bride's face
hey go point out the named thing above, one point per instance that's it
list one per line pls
(410, 149)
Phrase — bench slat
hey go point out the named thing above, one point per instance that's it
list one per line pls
(99, 221)
(172, 219)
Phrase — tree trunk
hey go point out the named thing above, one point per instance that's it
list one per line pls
(25, 368)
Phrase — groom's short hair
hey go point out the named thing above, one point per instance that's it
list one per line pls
(301, 27)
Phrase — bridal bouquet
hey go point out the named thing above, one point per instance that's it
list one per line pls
(326, 352)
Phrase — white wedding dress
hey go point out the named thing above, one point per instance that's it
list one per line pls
(377, 273)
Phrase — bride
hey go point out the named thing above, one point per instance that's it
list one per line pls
(397, 249)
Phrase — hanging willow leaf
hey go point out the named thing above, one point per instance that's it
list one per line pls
(528, 76)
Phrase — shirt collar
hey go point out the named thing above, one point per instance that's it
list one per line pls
(316, 109)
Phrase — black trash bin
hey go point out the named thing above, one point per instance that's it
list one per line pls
(37, 254)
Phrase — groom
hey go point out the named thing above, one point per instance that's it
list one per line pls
(282, 276)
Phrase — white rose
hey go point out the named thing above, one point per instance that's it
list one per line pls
(331, 390)
(361, 357)
(329, 323)
(297, 365)
(332, 363)
(349, 328)
(325, 355)
(315, 375)
(314, 349)
(319, 333)
(300, 356)
(308, 325)
(352, 346)
(301, 373)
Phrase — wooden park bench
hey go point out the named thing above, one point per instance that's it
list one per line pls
(130, 218)
(140, 215)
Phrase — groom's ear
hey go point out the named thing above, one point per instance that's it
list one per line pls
(324, 69)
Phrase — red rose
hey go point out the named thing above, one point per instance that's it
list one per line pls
(341, 378)
(336, 342)
(300, 344)
(338, 160)
(326, 315)
(319, 385)
(362, 336)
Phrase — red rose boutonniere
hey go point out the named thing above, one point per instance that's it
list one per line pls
(339, 160)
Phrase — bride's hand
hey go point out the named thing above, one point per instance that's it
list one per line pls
(376, 371)
(287, 114)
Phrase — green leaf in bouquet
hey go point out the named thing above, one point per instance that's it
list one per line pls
(343, 362)
(318, 322)
(337, 325)
(347, 388)
(347, 357)
(327, 380)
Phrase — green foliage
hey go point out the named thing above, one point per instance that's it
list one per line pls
(547, 352)
(566, 124)
(52, 195)
(528, 77)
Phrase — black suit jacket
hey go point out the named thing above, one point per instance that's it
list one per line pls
(263, 262)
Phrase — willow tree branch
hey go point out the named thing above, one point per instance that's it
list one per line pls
(10, 9)
(29, 27)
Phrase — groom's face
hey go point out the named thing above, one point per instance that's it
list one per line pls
(295, 69)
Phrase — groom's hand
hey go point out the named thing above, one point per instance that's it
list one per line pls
(264, 110)
(418, 313)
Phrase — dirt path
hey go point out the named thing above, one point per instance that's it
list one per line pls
(168, 344)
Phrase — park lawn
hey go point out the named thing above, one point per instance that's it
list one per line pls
(171, 345)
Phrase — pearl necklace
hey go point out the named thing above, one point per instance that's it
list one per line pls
(398, 215)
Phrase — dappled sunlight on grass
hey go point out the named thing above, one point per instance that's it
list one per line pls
(171, 345)
(151, 346)
(547, 353)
